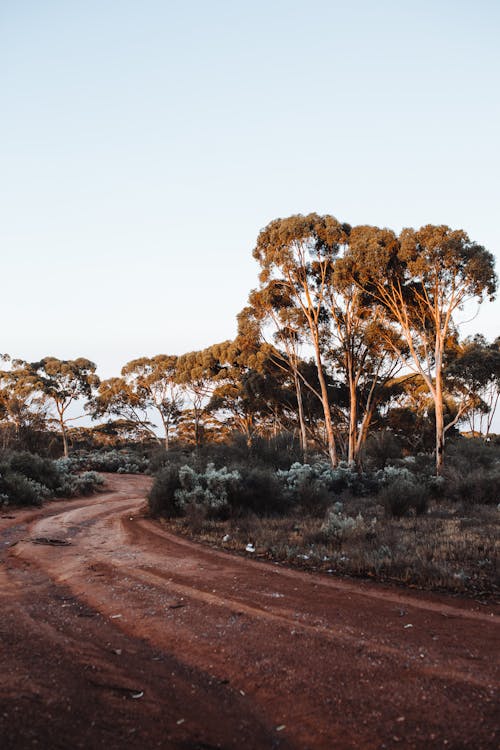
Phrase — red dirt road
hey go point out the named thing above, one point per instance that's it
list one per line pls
(129, 637)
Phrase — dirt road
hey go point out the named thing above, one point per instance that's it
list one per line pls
(124, 636)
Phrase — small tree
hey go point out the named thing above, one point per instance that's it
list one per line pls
(152, 379)
(474, 366)
(196, 373)
(58, 382)
(118, 398)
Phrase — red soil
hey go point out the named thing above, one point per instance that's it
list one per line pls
(130, 637)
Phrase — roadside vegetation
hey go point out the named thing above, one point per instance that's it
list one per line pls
(28, 479)
(396, 522)
(347, 427)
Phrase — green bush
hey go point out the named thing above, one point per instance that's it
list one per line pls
(337, 525)
(17, 489)
(41, 470)
(28, 479)
(276, 452)
(72, 485)
(120, 462)
(162, 495)
(469, 454)
(403, 495)
(258, 491)
(320, 480)
(220, 491)
(380, 448)
(474, 487)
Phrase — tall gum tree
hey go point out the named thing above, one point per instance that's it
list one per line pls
(420, 280)
(297, 254)
(366, 352)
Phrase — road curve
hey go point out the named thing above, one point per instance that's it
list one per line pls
(115, 633)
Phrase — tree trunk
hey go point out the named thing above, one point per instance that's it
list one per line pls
(166, 431)
(65, 439)
(302, 424)
(440, 431)
(332, 451)
(363, 434)
(353, 420)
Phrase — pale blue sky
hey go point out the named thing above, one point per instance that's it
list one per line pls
(144, 144)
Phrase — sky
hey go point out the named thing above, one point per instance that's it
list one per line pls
(143, 145)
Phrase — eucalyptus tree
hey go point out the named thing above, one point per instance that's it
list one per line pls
(271, 303)
(147, 386)
(419, 280)
(56, 382)
(152, 381)
(296, 254)
(365, 350)
(20, 409)
(249, 388)
(116, 397)
(196, 373)
(474, 367)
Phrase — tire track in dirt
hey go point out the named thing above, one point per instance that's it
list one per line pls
(338, 664)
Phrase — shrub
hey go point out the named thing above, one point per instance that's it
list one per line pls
(258, 491)
(308, 485)
(277, 452)
(209, 488)
(21, 490)
(339, 526)
(120, 462)
(73, 485)
(162, 498)
(401, 495)
(381, 447)
(469, 454)
(221, 491)
(476, 487)
(322, 480)
(28, 479)
(41, 470)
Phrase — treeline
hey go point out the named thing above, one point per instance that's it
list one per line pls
(350, 331)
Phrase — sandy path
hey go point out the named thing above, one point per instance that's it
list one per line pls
(131, 637)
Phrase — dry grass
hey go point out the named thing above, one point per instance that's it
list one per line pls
(450, 548)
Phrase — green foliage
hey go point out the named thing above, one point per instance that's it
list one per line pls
(472, 474)
(401, 494)
(162, 498)
(113, 461)
(278, 451)
(303, 480)
(259, 491)
(17, 489)
(467, 454)
(28, 479)
(221, 491)
(42, 470)
(478, 487)
(338, 525)
(209, 488)
(381, 447)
